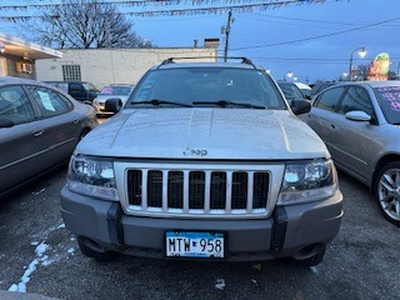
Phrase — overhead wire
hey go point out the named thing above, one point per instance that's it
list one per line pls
(318, 36)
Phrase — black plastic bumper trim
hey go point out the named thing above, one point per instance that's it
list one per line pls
(115, 228)
(279, 229)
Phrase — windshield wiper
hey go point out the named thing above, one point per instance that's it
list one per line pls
(157, 102)
(225, 103)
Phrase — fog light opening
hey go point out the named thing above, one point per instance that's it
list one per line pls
(310, 251)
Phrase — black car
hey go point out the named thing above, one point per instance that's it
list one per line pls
(80, 90)
(291, 91)
(320, 86)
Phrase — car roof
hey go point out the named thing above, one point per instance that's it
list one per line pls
(285, 82)
(205, 65)
(302, 85)
(17, 80)
(372, 84)
(65, 81)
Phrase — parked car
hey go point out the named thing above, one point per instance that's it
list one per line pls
(39, 128)
(359, 122)
(291, 91)
(320, 86)
(120, 91)
(205, 161)
(79, 90)
(305, 88)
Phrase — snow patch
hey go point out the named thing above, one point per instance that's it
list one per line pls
(220, 284)
(39, 192)
(21, 286)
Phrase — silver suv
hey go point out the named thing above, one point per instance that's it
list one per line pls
(205, 161)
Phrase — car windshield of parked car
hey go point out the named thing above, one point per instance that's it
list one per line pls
(90, 87)
(389, 101)
(116, 90)
(291, 91)
(207, 86)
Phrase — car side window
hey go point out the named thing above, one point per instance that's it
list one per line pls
(76, 87)
(49, 102)
(329, 99)
(356, 98)
(15, 105)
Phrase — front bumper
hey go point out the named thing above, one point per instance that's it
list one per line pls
(291, 229)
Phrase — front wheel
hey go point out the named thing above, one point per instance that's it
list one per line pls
(386, 190)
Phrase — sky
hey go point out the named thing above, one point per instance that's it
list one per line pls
(313, 41)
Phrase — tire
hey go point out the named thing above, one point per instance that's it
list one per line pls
(386, 189)
(308, 262)
(99, 256)
(84, 132)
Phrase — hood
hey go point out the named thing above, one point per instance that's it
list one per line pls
(204, 133)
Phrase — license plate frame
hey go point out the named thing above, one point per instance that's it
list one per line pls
(203, 240)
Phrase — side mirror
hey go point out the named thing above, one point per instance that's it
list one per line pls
(358, 116)
(113, 105)
(300, 106)
(6, 123)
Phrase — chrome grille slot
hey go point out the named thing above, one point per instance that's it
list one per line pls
(135, 187)
(260, 190)
(239, 190)
(218, 190)
(175, 189)
(197, 187)
(154, 188)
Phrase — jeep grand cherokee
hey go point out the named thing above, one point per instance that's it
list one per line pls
(205, 161)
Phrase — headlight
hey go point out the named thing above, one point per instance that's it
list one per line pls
(308, 181)
(92, 177)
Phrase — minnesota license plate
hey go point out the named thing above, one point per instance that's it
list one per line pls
(194, 244)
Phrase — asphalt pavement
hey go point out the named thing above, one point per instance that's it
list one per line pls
(39, 256)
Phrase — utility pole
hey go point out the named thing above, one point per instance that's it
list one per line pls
(226, 29)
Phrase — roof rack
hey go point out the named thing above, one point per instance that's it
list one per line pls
(172, 60)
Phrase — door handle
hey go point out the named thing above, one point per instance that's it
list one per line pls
(76, 121)
(333, 126)
(38, 132)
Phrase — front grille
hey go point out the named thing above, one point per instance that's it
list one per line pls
(194, 192)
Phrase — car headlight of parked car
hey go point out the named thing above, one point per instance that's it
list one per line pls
(92, 177)
(308, 181)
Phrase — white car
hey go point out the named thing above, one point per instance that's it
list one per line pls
(120, 91)
(305, 88)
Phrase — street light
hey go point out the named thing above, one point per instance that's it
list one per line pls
(362, 52)
(289, 75)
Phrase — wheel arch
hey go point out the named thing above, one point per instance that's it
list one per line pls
(388, 158)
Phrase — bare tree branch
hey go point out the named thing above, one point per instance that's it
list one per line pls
(87, 24)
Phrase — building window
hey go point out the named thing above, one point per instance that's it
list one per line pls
(71, 72)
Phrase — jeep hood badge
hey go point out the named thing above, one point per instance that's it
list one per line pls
(195, 152)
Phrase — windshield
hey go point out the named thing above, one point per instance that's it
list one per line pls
(116, 90)
(291, 91)
(89, 87)
(389, 101)
(205, 86)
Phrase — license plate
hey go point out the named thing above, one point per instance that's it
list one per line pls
(194, 244)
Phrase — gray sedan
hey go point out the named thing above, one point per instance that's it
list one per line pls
(39, 129)
(359, 122)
